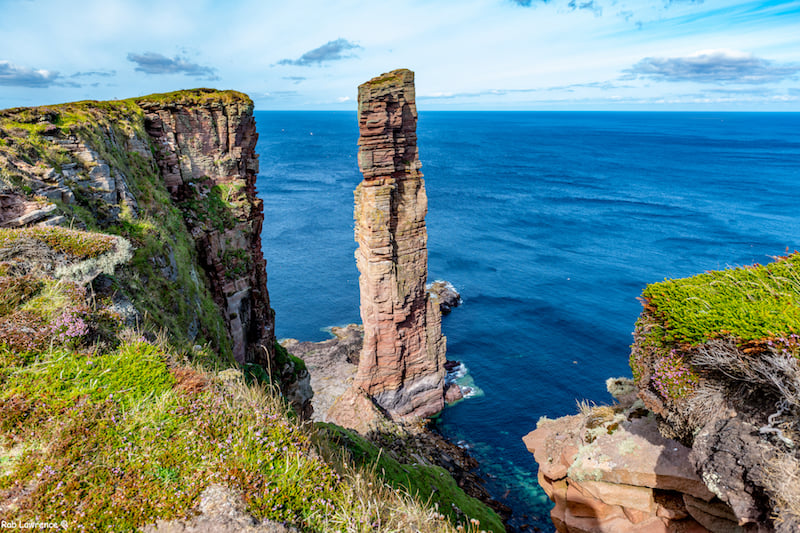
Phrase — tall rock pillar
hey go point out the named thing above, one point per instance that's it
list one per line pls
(402, 361)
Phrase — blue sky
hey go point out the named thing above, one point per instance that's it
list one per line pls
(467, 54)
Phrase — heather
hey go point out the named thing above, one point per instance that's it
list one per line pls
(725, 344)
(120, 400)
(115, 439)
(110, 427)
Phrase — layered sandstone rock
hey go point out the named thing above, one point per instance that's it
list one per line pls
(614, 473)
(610, 469)
(401, 364)
(206, 153)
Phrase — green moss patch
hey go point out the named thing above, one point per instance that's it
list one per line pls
(746, 303)
(194, 96)
(76, 244)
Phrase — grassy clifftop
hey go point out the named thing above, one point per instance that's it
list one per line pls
(717, 357)
(120, 402)
(748, 303)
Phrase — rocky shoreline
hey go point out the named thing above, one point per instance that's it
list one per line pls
(332, 366)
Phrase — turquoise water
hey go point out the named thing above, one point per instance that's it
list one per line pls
(550, 225)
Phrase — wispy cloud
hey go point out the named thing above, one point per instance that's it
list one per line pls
(153, 63)
(712, 66)
(330, 51)
(273, 95)
(602, 85)
(593, 5)
(16, 76)
(95, 73)
(295, 79)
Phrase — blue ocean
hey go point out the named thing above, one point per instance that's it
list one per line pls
(549, 224)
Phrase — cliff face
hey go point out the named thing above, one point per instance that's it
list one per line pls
(401, 363)
(175, 174)
(209, 166)
(716, 367)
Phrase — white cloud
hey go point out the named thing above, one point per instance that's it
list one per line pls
(16, 76)
(713, 66)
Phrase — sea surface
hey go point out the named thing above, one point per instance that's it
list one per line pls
(549, 224)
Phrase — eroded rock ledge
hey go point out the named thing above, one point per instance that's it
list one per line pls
(716, 367)
(609, 469)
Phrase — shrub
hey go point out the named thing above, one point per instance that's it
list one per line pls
(673, 378)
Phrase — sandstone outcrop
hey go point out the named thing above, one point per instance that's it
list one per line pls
(401, 363)
(220, 510)
(716, 365)
(332, 365)
(609, 469)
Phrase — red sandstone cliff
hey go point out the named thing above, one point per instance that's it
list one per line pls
(608, 469)
(401, 363)
(207, 158)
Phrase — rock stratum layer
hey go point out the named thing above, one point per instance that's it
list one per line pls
(609, 469)
(175, 173)
(401, 363)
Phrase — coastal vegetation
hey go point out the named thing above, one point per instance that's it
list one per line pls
(120, 400)
(754, 308)
(119, 434)
(719, 354)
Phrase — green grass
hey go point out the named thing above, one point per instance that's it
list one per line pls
(194, 96)
(746, 303)
(283, 357)
(211, 209)
(431, 484)
(114, 441)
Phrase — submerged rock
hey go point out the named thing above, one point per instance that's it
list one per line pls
(446, 294)
(452, 393)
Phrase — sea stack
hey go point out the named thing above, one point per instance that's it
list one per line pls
(402, 360)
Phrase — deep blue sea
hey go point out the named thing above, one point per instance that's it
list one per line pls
(549, 224)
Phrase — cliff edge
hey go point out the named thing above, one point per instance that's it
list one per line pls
(716, 371)
(140, 385)
(173, 173)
